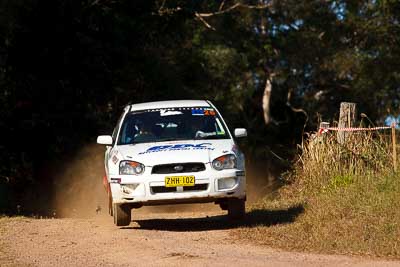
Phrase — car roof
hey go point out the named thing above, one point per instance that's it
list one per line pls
(169, 104)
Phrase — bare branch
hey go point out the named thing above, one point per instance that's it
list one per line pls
(221, 6)
(204, 21)
(162, 5)
(168, 11)
(233, 7)
(200, 16)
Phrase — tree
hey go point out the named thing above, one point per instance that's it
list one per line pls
(68, 65)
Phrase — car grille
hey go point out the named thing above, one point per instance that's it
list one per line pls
(163, 189)
(178, 168)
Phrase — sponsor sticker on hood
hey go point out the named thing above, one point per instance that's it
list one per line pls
(177, 147)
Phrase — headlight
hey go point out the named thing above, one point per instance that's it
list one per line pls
(130, 167)
(224, 162)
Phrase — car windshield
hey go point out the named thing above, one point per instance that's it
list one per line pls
(158, 125)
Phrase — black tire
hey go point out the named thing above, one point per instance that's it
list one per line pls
(122, 214)
(223, 206)
(236, 209)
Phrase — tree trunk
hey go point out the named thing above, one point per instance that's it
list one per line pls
(266, 100)
(347, 118)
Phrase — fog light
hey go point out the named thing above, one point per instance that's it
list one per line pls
(227, 183)
(128, 188)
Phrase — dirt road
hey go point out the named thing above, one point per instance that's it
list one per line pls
(197, 235)
(154, 238)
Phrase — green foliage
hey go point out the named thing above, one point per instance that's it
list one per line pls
(338, 181)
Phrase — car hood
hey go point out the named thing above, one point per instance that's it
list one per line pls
(151, 154)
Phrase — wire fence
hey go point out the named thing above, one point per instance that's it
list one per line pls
(387, 134)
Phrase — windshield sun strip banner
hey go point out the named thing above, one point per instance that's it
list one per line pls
(195, 110)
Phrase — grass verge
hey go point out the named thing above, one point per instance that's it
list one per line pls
(350, 197)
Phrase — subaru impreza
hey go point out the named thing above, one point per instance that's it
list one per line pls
(172, 152)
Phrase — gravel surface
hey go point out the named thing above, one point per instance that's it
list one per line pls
(154, 238)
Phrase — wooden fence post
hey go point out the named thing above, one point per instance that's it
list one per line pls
(347, 118)
(394, 147)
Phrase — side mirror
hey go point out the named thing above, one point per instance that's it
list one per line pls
(240, 132)
(105, 140)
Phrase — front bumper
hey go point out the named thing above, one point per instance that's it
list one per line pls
(149, 189)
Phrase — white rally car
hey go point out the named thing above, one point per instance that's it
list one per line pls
(172, 152)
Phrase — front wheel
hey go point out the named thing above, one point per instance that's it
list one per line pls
(236, 209)
(122, 214)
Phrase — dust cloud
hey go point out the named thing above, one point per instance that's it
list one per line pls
(262, 181)
(79, 191)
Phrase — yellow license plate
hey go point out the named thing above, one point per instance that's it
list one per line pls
(174, 181)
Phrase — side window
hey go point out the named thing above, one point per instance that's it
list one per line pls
(219, 128)
(128, 131)
(115, 131)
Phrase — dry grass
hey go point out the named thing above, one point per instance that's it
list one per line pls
(350, 196)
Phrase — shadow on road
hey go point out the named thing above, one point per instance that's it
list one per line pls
(253, 218)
